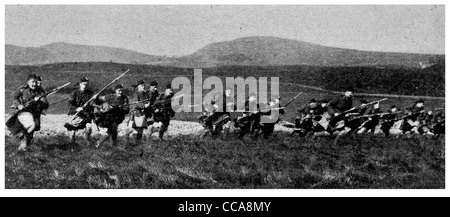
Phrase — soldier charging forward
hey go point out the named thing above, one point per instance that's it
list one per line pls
(30, 101)
(139, 111)
(85, 117)
(163, 111)
(110, 111)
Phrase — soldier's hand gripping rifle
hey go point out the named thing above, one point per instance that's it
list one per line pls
(360, 106)
(98, 93)
(29, 103)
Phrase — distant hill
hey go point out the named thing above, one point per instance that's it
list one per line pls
(271, 51)
(65, 52)
(250, 51)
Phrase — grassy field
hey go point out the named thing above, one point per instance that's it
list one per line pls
(187, 162)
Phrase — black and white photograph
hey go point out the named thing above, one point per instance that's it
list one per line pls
(211, 96)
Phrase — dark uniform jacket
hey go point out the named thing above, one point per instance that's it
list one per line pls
(164, 105)
(416, 113)
(153, 96)
(116, 110)
(341, 104)
(77, 99)
(144, 98)
(25, 95)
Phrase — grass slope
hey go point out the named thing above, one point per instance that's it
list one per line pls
(187, 162)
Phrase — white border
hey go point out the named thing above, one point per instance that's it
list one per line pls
(205, 193)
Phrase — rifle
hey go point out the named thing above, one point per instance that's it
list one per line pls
(11, 120)
(55, 103)
(96, 95)
(293, 99)
(357, 107)
(372, 115)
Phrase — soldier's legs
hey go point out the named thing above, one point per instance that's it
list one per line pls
(164, 128)
(88, 132)
(28, 122)
(128, 132)
(226, 129)
(139, 131)
(111, 132)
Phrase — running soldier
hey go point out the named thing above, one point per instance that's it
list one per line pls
(338, 106)
(28, 119)
(217, 117)
(352, 121)
(140, 107)
(164, 111)
(370, 125)
(250, 120)
(415, 114)
(150, 111)
(85, 117)
(303, 122)
(270, 116)
(111, 112)
(389, 120)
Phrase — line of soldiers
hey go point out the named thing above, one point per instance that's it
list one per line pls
(106, 111)
(338, 117)
(323, 118)
(257, 119)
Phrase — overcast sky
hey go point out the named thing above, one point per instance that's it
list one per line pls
(181, 30)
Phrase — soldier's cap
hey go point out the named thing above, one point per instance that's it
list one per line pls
(363, 101)
(419, 101)
(39, 78)
(168, 86)
(317, 118)
(84, 79)
(252, 95)
(393, 106)
(324, 101)
(154, 84)
(119, 86)
(312, 101)
(140, 82)
(350, 89)
(32, 76)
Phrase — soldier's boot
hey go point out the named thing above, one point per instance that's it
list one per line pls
(161, 132)
(72, 137)
(226, 131)
(114, 139)
(88, 135)
(139, 136)
(23, 142)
